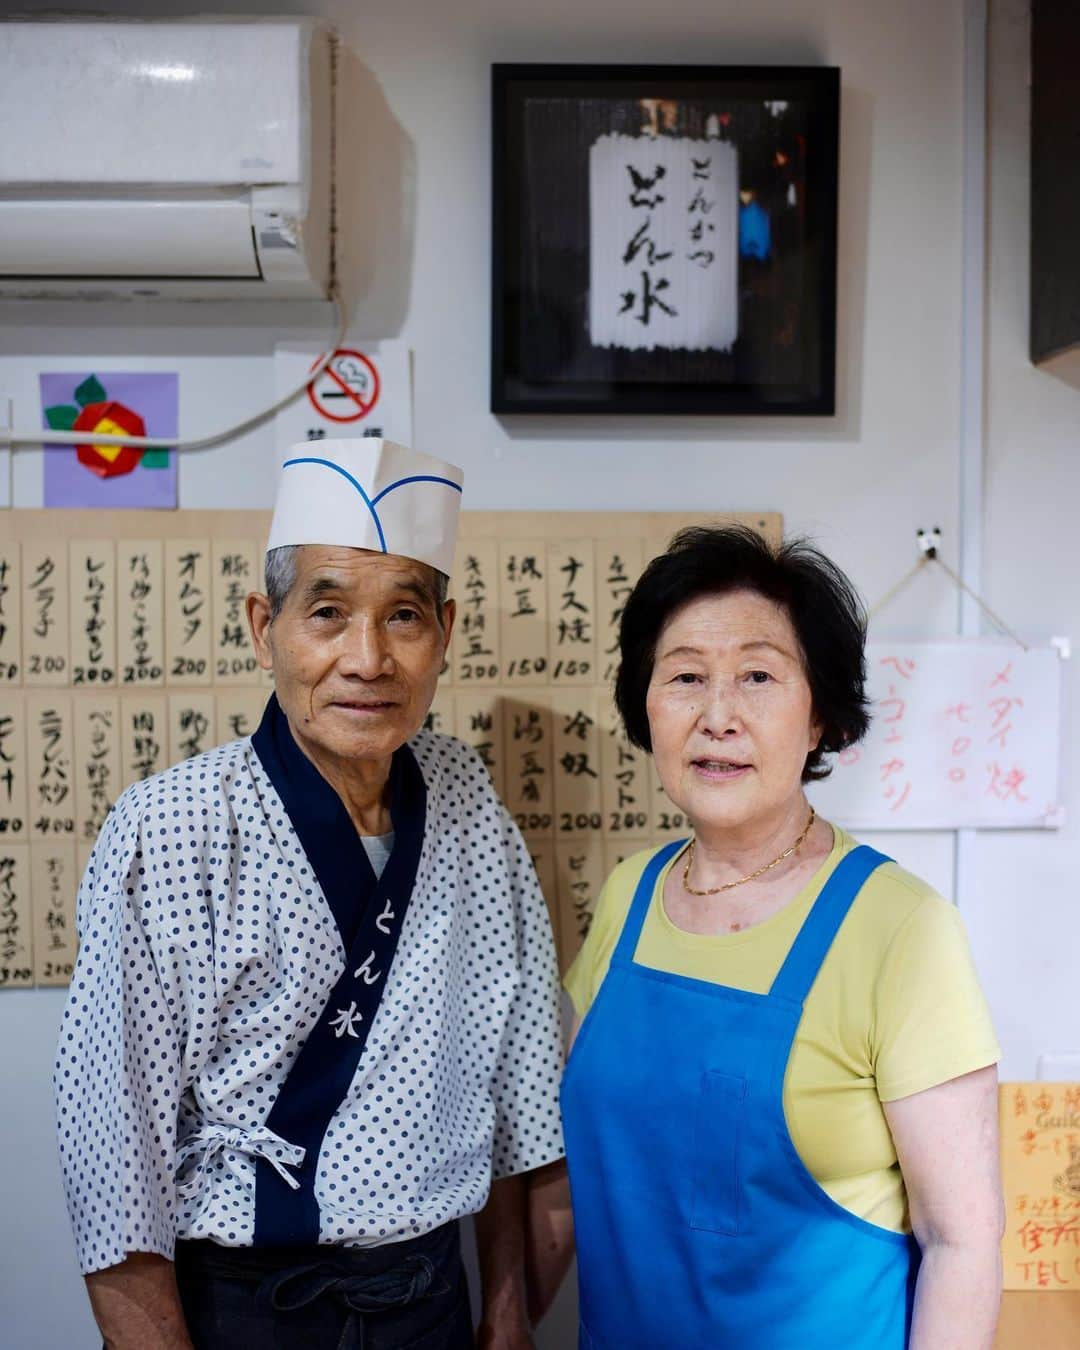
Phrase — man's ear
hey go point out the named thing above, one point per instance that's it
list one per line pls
(258, 617)
(449, 614)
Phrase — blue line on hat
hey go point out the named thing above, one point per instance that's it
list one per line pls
(416, 478)
(329, 464)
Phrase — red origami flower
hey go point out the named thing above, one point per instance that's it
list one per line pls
(93, 410)
(112, 419)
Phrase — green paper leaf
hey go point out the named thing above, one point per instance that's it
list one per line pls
(90, 391)
(61, 416)
(155, 459)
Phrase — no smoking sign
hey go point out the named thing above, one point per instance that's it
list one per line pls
(348, 389)
(366, 390)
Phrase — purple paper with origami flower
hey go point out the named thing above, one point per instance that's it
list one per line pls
(153, 396)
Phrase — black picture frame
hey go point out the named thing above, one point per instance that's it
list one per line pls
(559, 134)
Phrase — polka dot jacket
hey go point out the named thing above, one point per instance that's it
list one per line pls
(208, 953)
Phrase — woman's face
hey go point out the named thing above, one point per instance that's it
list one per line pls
(730, 712)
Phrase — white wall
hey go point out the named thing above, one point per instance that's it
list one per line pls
(1025, 923)
(862, 482)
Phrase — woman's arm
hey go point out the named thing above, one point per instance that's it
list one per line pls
(947, 1142)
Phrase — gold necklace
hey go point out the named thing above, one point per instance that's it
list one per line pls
(728, 885)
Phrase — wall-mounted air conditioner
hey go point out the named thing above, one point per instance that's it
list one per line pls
(188, 159)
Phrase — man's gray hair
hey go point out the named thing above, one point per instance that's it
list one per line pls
(281, 578)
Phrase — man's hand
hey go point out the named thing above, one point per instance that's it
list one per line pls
(137, 1305)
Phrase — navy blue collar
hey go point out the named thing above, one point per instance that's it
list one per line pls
(370, 915)
(325, 829)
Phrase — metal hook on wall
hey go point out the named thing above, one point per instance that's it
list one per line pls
(929, 545)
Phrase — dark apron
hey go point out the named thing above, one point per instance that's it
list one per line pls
(407, 1295)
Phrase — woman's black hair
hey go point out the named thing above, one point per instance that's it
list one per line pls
(820, 601)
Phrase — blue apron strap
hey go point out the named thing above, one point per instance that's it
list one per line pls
(639, 906)
(815, 937)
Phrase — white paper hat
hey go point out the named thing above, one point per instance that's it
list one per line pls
(368, 493)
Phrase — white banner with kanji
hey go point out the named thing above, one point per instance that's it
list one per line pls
(663, 243)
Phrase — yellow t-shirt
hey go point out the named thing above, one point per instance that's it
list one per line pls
(896, 1009)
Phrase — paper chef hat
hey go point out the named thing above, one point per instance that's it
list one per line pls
(368, 493)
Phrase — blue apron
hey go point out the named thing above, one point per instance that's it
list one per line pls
(697, 1223)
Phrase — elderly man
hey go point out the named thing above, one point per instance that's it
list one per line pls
(314, 1012)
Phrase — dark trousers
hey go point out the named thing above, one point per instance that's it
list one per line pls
(406, 1296)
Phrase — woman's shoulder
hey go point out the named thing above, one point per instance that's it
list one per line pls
(612, 906)
(904, 948)
(894, 901)
(903, 961)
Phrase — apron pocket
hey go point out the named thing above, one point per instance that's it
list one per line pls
(715, 1202)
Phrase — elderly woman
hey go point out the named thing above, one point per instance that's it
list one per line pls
(780, 1111)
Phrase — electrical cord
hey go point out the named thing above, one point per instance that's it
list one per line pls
(10, 437)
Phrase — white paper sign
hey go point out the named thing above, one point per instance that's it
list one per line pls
(365, 391)
(663, 242)
(965, 734)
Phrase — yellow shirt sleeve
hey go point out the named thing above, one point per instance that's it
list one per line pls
(931, 1022)
(586, 974)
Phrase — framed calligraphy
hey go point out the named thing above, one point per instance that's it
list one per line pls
(664, 239)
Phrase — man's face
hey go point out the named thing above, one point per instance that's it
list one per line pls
(356, 652)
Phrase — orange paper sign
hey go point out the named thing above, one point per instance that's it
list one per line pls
(1040, 1168)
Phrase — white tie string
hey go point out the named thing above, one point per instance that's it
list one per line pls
(212, 1139)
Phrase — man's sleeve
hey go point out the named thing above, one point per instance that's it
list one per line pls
(118, 1066)
(525, 1087)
